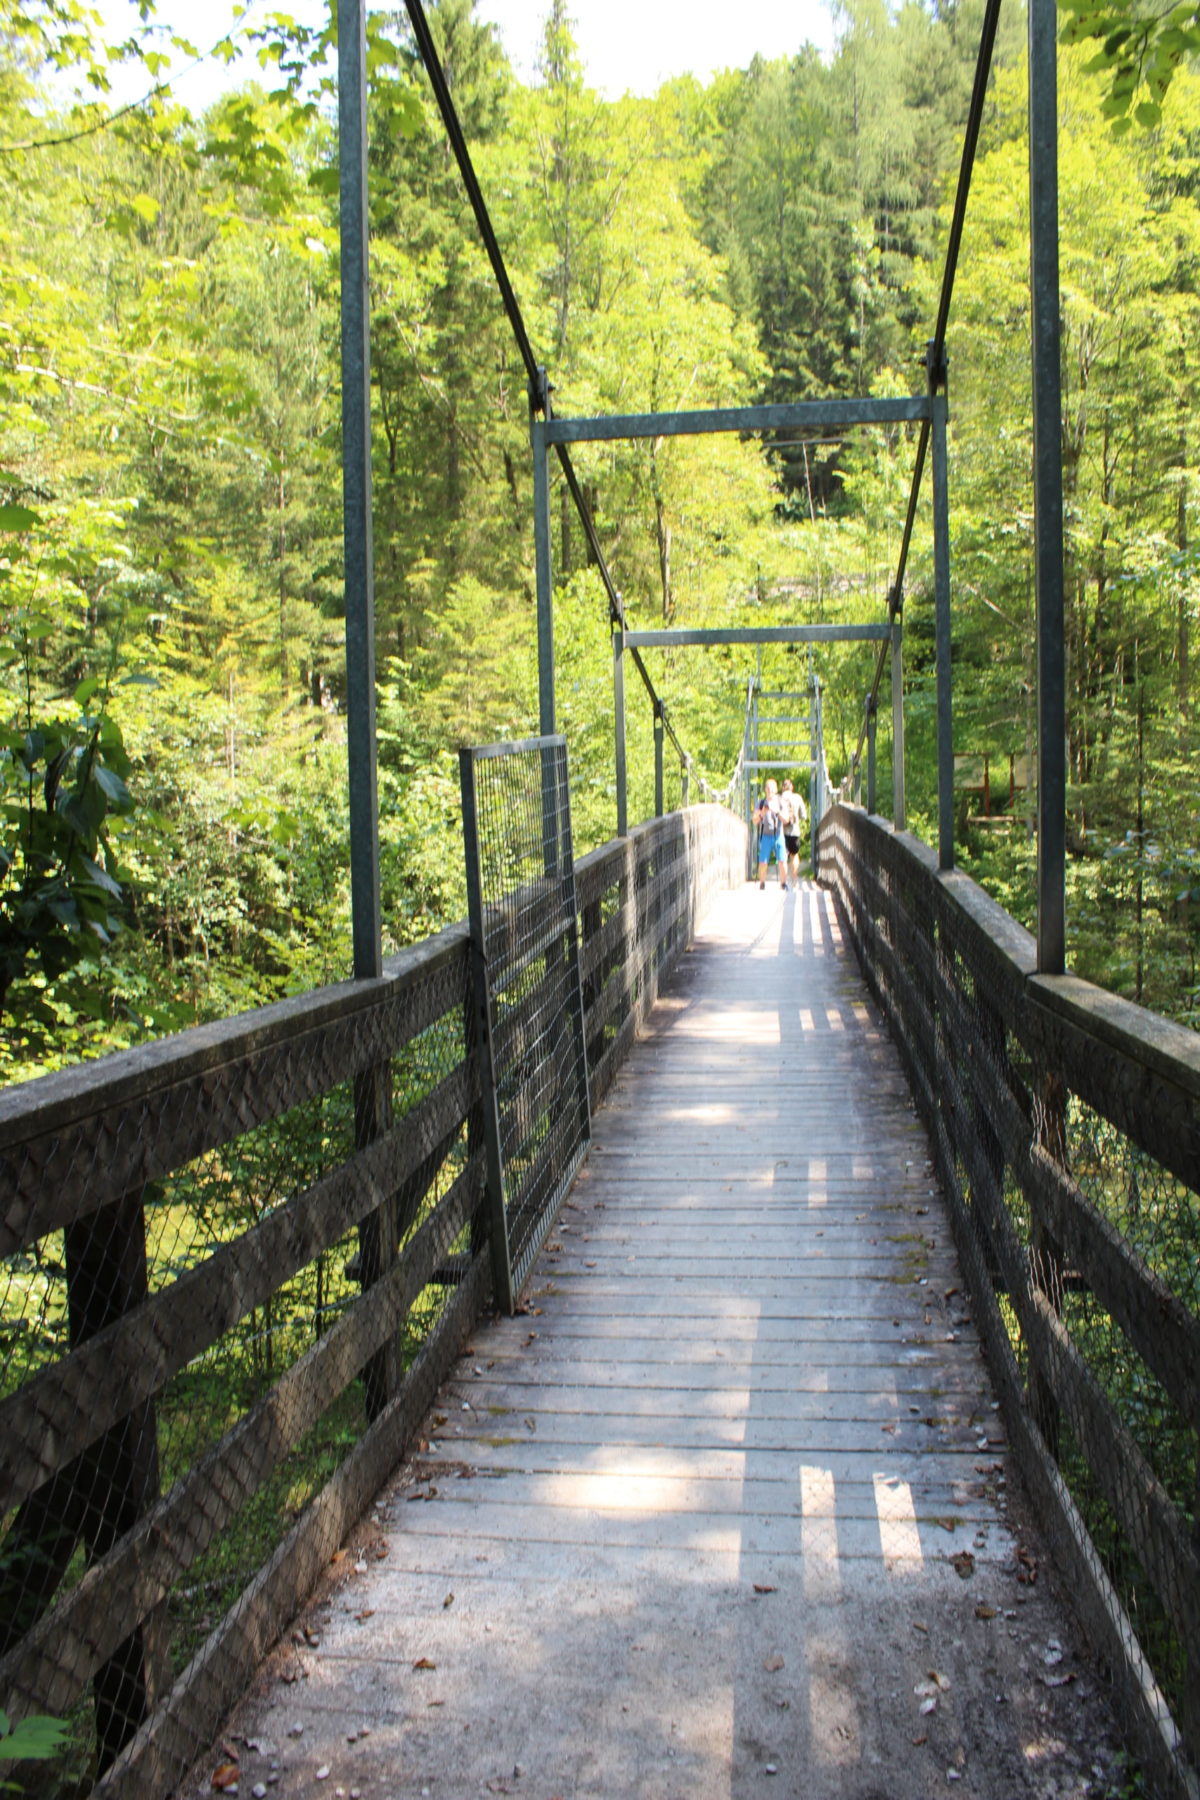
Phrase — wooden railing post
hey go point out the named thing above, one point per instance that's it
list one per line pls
(116, 1479)
(379, 1232)
(1045, 1256)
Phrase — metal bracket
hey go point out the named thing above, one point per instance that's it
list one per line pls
(936, 367)
(540, 390)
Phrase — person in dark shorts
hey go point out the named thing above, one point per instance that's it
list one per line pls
(793, 813)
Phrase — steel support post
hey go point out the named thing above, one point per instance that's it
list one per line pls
(544, 576)
(356, 492)
(941, 586)
(1047, 487)
(872, 717)
(619, 729)
(658, 759)
(482, 1022)
(372, 1092)
(817, 790)
(899, 817)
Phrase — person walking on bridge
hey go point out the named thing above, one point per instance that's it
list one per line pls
(793, 813)
(769, 819)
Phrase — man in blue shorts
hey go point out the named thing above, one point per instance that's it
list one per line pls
(769, 819)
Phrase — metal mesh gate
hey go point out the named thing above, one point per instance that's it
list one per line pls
(529, 1008)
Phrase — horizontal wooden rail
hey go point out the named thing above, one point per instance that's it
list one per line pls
(247, 1134)
(1047, 1100)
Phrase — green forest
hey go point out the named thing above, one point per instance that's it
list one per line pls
(172, 731)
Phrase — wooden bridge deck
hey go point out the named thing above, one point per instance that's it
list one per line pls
(727, 1502)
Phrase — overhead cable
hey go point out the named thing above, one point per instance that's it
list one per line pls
(539, 387)
(935, 354)
(458, 143)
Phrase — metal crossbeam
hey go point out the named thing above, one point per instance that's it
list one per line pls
(757, 634)
(806, 415)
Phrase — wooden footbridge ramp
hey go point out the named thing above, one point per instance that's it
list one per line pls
(724, 1509)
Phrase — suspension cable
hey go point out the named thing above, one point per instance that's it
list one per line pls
(935, 353)
(466, 168)
(539, 386)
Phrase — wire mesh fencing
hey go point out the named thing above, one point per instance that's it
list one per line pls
(226, 1261)
(235, 1266)
(521, 896)
(1066, 1125)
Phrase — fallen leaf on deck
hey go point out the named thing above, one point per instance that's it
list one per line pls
(985, 1612)
(918, 1626)
(423, 1662)
(448, 1601)
(367, 1613)
(773, 1664)
(762, 1587)
(227, 1775)
(963, 1564)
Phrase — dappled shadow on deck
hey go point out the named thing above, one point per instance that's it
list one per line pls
(726, 1501)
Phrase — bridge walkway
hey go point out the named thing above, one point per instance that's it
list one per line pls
(724, 1511)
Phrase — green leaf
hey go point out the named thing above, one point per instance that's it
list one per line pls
(36, 1738)
(112, 787)
(17, 518)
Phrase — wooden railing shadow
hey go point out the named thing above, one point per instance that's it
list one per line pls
(191, 1302)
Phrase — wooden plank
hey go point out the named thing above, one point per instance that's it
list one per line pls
(78, 1139)
(175, 1735)
(48, 1670)
(1143, 1079)
(1165, 1334)
(56, 1414)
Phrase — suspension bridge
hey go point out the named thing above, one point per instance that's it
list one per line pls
(721, 1263)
